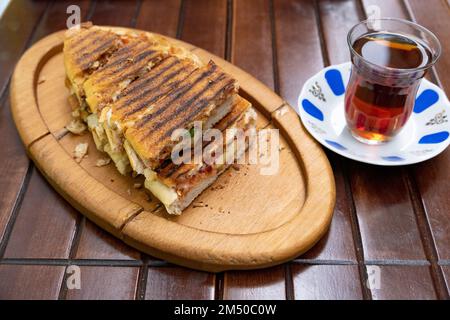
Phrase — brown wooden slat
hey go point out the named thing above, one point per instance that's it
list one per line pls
(386, 216)
(257, 284)
(338, 243)
(433, 177)
(404, 282)
(45, 225)
(114, 12)
(434, 15)
(297, 44)
(107, 246)
(337, 18)
(13, 166)
(16, 25)
(55, 17)
(30, 281)
(178, 283)
(433, 217)
(390, 8)
(446, 272)
(105, 283)
(204, 22)
(385, 213)
(159, 18)
(326, 282)
(94, 243)
(252, 40)
(299, 57)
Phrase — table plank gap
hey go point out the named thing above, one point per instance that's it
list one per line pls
(181, 19)
(432, 176)
(142, 280)
(15, 210)
(356, 232)
(218, 286)
(229, 31)
(427, 236)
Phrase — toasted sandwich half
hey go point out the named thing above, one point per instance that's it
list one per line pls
(176, 186)
(134, 89)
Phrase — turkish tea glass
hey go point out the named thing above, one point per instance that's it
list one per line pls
(389, 59)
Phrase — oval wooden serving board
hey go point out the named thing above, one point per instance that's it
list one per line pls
(251, 221)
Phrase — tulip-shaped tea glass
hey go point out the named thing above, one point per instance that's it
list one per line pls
(389, 59)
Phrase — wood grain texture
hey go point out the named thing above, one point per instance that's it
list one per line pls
(21, 23)
(299, 57)
(251, 39)
(433, 177)
(94, 243)
(105, 283)
(55, 17)
(385, 213)
(404, 282)
(326, 282)
(446, 272)
(159, 18)
(265, 284)
(337, 17)
(299, 53)
(13, 166)
(17, 24)
(171, 283)
(103, 206)
(35, 236)
(196, 233)
(204, 25)
(30, 282)
(115, 13)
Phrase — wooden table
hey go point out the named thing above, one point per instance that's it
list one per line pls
(390, 223)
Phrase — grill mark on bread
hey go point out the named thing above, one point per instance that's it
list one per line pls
(102, 58)
(95, 46)
(153, 94)
(178, 93)
(129, 67)
(229, 121)
(129, 95)
(82, 37)
(203, 102)
(116, 59)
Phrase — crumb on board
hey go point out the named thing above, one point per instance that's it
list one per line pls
(282, 111)
(236, 167)
(102, 162)
(76, 113)
(80, 151)
(137, 185)
(76, 126)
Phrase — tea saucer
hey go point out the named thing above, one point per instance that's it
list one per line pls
(425, 135)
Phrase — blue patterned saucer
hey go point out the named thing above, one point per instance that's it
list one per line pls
(321, 109)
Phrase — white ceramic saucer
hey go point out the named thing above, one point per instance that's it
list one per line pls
(321, 109)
